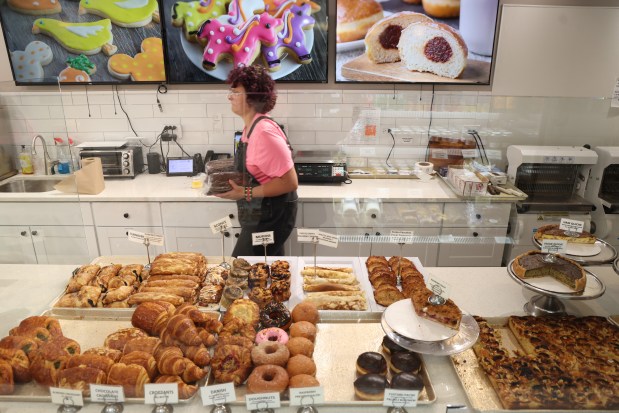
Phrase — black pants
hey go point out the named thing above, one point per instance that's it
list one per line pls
(277, 214)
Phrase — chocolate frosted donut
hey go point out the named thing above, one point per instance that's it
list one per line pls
(405, 361)
(389, 346)
(371, 362)
(406, 381)
(371, 387)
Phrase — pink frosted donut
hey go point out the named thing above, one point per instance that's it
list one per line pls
(272, 334)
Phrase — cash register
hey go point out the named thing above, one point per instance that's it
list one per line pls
(320, 166)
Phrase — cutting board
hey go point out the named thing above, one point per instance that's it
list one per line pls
(363, 70)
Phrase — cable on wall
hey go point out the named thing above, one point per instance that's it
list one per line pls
(430, 124)
(114, 100)
(124, 111)
(392, 146)
(87, 100)
(163, 89)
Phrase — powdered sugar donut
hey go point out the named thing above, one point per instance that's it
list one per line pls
(35, 7)
(28, 64)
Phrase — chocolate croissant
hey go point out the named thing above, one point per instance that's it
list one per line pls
(131, 376)
(49, 323)
(118, 339)
(110, 353)
(80, 378)
(147, 344)
(84, 276)
(144, 359)
(26, 344)
(19, 362)
(96, 361)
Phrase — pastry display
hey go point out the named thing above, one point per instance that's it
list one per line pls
(532, 264)
(552, 231)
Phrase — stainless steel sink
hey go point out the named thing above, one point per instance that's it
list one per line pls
(29, 185)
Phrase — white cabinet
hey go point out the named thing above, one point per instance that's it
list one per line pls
(200, 240)
(113, 241)
(425, 247)
(476, 214)
(197, 214)
(471, 247)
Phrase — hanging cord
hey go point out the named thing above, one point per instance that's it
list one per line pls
(480, 145)
(124, 111)
(394, 91)
(430, 125)
(392, 146)
(163, 89)
(114, 100)
(87, 100)
(182, 150)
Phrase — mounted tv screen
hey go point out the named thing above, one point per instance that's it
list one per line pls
(395, 41)
(87, 41)
(205, 39)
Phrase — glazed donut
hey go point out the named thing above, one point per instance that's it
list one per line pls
(442, 8)
(275, 314)
(270, 353)
(305, 311)
(303, 329)
(300, 345)
(303, 380)
(301, 364)
(267, 379)
(272, 334)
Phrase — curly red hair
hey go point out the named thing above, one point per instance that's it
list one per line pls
(258, 85)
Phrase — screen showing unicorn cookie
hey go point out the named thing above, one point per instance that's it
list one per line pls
(84, 41)
(205, 39)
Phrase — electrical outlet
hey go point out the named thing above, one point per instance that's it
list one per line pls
(168, 134)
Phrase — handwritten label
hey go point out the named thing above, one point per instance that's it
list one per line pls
(218, 394)
(401, 237)
(262, 401)
(469, 153)
(106, 394)
(161, 393)
(571, 225)
(328, 240)
(307, 235)
(66, 397)
(614, 102)
(220, 225)
(141, 237)
(439, 154)
(438, 287)
(262, 238)
(400, 398)
(307, 396)
(554, 246)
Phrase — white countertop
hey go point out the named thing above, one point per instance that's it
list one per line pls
(162, 188)
(29, 289)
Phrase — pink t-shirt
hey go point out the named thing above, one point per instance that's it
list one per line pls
(268, 155)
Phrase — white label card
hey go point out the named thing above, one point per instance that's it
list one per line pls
(400, 398)
(440, 154)
(307, 235)
(141, 237)
(154, 239)
(438, 287)
(614, 102)
(261, 238)
(66, 397)
(554, 246)
(469, 153)
(221, 225)
(161, 393)
(328, 240)
(106, 394)
(307, 396)
(262, 401)
(218, 394)
(571, 225)
(401, 237)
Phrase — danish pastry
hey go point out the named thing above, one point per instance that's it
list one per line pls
(231, 363)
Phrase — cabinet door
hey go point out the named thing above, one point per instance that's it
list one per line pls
(16, 246)
(469, 214)
(197, 214)
(354, 242)
(141, 214)
(199, 240)
(62, 245)
(472, 247)
(113, 241)
(425, 246)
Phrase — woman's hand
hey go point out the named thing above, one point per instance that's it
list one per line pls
(237, 192)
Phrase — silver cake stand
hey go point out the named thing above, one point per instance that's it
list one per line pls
(548, 302)
(607, 254)
(616, 265)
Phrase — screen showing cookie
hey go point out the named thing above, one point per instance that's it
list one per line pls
(204, 40)
(84, 41)
(415, 41)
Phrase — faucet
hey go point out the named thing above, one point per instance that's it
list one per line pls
(46, 157)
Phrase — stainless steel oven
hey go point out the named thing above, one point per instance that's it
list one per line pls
(123, 162)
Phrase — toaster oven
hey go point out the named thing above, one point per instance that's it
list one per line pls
(121, 162)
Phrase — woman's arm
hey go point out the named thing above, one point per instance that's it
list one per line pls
(277, 186)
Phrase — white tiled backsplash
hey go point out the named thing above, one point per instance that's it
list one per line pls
(322, 119)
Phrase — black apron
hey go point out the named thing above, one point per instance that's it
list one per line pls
(277, 214)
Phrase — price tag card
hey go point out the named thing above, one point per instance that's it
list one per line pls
(401, 237)
(261, 238)
(140, 237)
(161, 393)
(571, 225)
(329, 240)
(220, 225)
(66, 397)
(262, 401)
(307, 396)
(457, 409)
(100, 393)
(154, 239)
(307, 235)
(218, 394)
(469, 153)
(438, 287)
(554, 246)
(614, 102)
(400, 398)
(440, 154)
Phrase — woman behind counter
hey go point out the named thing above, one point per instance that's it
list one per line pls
(267, 201)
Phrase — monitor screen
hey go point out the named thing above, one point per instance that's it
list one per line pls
(87, 41)
(180, 166)
(205, 39)
(438, 42)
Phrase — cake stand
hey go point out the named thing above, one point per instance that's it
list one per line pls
(402, 325)
(616, 265)
(588, 254)
(548, 302)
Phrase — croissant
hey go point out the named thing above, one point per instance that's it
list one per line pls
(80, 378)
(18, 360)
(7, 385)
(185, 391)
(170, 360)
(131, 376)
(26, 344)
(198, 354)
(149, 315)
(147, 344)
(144, 359)
(49, 323)
(110, 353)
(207, 338)
(118, 339)
(192, 372)
(183, 329)
(95, 361)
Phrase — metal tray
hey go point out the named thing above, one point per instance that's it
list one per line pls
(339, 341)
(88, 333)
(607, 253)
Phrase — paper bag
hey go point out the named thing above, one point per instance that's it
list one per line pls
(88, 180)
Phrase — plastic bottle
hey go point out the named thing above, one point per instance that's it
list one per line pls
(25, 161)
(64, 157)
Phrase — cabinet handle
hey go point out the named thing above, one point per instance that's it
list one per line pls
(231, 216)
(126, 215)
(24, 233)
(373, 216)
(475, 234)
(367, 234)
(236, 235)
(35, 233)
(127, 233)
(378, 234)
(478, 216)
(226, 234)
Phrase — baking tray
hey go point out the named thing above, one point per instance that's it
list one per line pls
(88, 333)
(339, 341)
(353, 262)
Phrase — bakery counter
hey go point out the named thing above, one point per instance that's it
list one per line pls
(490, 292)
